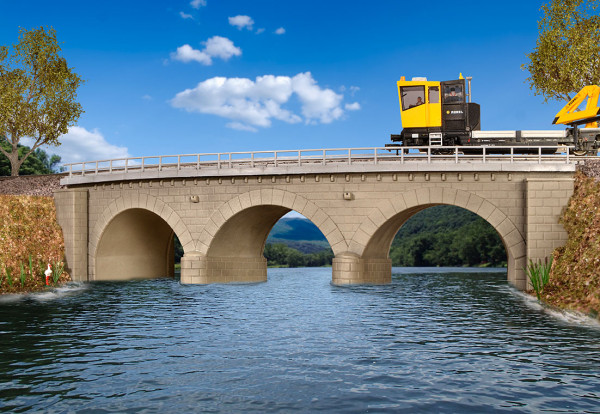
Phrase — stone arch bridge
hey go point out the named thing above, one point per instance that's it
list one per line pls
(119, 216)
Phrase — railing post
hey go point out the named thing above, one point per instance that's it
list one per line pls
(375, 155)
(83, 168)
(484, 154)
(401, 155)
(299, 157)
(275, 158)
(110, 167)
(96, 170)
(126, 162)
(512, 154)
(198, 162)
(219, 161)
(428, 155)
(229, 156)
(568, 154)
(539, 155)
(178, 162)
(143, 163)
(349, 156)
(252, 159)
(456, 155)
(323, 162)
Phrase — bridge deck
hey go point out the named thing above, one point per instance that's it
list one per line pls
(319, 161)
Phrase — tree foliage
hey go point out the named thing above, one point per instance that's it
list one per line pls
(38, 94)
(278, 254)
(567, 53)
(447, 236)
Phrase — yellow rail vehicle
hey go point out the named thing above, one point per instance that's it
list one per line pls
(440, 114)
(436, 113)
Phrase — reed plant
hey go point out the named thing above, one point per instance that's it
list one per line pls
(9, 279)
(57, 271)
(23, 276)
(41, 269)
(31, 268)
(539, 275)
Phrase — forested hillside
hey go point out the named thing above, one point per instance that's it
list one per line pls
(447, 236)
(437, 236)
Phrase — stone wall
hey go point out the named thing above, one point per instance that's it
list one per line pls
(228, 218)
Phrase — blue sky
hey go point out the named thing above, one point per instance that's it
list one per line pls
(174, 77)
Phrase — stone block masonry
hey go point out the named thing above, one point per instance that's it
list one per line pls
(223, 222)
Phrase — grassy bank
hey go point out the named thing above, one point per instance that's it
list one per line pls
(575, 276)
(30, 238)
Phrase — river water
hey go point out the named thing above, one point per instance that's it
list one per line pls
(435, 340)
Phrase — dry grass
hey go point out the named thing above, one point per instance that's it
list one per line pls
(30, 238)
(575, 276)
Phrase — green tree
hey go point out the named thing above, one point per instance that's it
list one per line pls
(37, 94)
(39, 162)
(567, 53)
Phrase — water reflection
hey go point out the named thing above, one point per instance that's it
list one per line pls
(433, 341)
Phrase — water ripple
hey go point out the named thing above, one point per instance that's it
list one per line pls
(433, 341)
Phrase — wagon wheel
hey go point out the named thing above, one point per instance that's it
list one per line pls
(579, 153)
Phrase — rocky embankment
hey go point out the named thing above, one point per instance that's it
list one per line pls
(33, 185)
(575, 276)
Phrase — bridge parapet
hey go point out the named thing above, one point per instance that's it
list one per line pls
(348, 160)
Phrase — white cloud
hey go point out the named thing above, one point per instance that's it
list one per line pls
(186, 54)
(222, 47)
(216, 46)
(256, 103)
(79, 145)
(196, 4)
(317, 103)
(185, 15)
(280, 31)
(241, 21)
(147, 97)
(259, 31)
(241, 127)
(355, 106)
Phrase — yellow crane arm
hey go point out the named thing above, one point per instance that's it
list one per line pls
(570, 114)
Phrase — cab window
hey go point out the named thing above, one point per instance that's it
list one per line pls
(434, 95)
(412, 96)
(453, 93)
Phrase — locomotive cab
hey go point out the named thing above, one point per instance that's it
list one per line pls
(435, 113)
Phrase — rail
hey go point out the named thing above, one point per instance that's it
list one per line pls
(349, 156)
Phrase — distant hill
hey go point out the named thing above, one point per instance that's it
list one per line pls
(298, 233)
(296, 228)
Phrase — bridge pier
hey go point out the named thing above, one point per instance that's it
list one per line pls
(350, 269)
(197, 268)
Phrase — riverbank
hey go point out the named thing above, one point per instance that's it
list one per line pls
(30, 238)
(575, 276)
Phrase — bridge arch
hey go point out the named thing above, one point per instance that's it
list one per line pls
(252, 215)
(133, 238)
(230, 247)
(372, 240)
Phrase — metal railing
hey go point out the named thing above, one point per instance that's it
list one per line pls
(349, 156)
